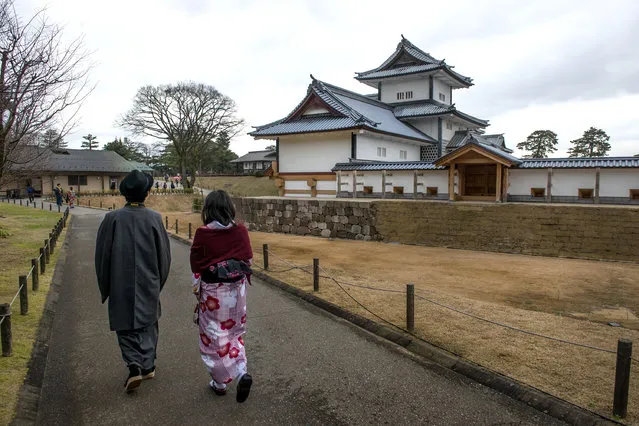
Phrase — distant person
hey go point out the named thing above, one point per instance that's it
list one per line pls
(71, 197)
(172, 185)
(132, 261)
(220, 261)
(30, 193)
(157, 185)
(164, 186)
(59, 193)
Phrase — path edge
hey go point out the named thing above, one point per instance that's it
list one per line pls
(533, 397)
(31, 389)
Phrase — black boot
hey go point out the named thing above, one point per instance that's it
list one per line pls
(244, 387)
(134, 379)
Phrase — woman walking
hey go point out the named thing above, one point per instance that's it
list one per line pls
(71, 197)
(220, 261)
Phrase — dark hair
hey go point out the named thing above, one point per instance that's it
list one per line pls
(218, 206)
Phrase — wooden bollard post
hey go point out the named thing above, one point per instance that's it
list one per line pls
(42, 261)
(58, 208)
(113, 206)
(410, 307)
(50, 207)
(47, 253)
(35, 205)
(24, 295)
(265, 255)
(20, 201)
(35, 277)
(5, 329)
(166, 222)
(51, 243)
(89, 202)
(42, 204)
(176, 226)
(315, 274)
(190, 230)
(622, 378)
(100, 203)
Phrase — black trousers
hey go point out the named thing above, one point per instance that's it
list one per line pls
(139, 346)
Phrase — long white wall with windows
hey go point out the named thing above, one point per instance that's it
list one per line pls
(380, 148)
(313, 152)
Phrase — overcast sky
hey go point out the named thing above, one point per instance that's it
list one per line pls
(558, 65)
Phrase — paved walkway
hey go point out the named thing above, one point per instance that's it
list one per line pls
(308, 367)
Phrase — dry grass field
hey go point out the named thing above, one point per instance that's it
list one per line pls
(563, 298)
(27, 230)
(240, 186)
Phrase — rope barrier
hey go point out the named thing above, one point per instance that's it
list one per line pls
(16, 296)
(30, 271)
(420, 297)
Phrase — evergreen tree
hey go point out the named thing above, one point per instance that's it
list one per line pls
(128, 149)
(90, 142)
(594, 143)
(540, 143)
(53, 140)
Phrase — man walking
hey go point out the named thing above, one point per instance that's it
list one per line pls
(132, 260)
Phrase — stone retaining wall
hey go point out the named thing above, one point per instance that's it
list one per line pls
(589, 232)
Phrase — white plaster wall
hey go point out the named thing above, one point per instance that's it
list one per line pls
(418, 86)
(520, 181)
(440, 87)
(618, 182)
(367, 149)
(326, 185)
(437, 178)
(373, 179)
(568, 181)
(426, 125)
(313, 153)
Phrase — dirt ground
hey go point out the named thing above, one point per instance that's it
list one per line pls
(563, 298)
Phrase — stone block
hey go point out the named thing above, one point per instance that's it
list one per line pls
(326, 233)
(359, 237)
(321, 225)
(356, 229)
(343, 219)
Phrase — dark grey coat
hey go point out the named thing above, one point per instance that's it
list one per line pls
(132, 260)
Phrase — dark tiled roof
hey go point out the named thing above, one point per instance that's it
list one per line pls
(376, 166)
(424, 63)
(574, 163)
(462, 137)
(431, 108)
(79, 161)
(354, 111)
(265, 155)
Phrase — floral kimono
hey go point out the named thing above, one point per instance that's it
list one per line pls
(221, 308)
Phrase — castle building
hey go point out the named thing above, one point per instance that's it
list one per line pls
(409, 140)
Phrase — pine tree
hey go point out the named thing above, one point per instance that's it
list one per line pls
(540, 143)
(594, 143)
(53, 140)
(90, 142)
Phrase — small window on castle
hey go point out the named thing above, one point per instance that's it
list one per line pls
(634, 194)
(585, 193)
(449, 125)
(409, 94)
(403, 155)
(400, 96)
(398, 190)
(442, 97)
(381, 152)
(537, 192)
(431, 191)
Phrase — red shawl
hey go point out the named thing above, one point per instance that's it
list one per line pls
(211, 246)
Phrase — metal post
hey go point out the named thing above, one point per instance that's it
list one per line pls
(622, 377)
(410, 307)
(24, 295)
(189, 230)
(35, 285)
(315, 274)
(265, 255)
(42, 261)
(5, 329)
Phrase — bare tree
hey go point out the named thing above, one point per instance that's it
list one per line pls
(189, 116)
(43, 81)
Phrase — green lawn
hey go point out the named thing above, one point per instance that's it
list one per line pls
(27, 229)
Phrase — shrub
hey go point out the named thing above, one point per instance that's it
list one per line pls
(197, 205)
(4, 232)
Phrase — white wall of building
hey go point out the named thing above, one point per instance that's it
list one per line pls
(419, 87)
(441, 87)
(520, 181)
(618, 182)
(314, 152)
(426, 125)
(566, 182)
(434, 178)
(368, 143)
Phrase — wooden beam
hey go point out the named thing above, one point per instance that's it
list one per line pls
(498, 184)
(506, 184)
(415, 184)
(354, 183)
(597, 177)
(549, 186)
(383, 184)
(339, 182)
(305, 176)
(451, 182)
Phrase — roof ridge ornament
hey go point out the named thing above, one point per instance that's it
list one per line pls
(313, 78)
